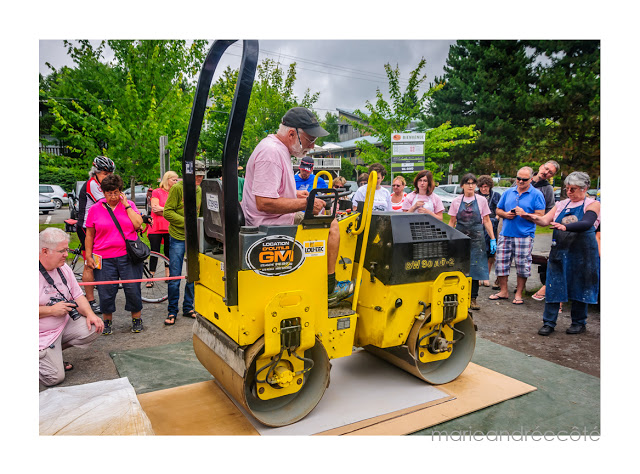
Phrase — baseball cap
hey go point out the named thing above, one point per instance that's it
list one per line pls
(306, 163)
(300, 117)
(201, 169)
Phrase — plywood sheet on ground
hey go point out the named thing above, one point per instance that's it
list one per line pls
(204, 409)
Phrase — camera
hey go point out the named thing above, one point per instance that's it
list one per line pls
(73, 314)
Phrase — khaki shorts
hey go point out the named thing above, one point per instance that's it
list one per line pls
(75, 334)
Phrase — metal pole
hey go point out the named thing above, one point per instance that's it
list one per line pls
(164, 162)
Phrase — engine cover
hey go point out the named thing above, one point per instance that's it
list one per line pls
(409, 248)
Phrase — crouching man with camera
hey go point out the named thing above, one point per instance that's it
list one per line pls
(65, 314)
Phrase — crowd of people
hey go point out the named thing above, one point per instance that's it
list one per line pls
(501, 229)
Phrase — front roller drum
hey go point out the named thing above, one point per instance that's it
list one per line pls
(280, 411)
(436, 372)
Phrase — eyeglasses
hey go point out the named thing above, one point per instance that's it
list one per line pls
(522, 179)
(396, 185)
(470, 184)
(311, 142)
(112, 193)
(573, 189)
(63, 251)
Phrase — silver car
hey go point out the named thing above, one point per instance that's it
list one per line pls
(445, 197)
(141, 196)
(56, 193)
(46, 204)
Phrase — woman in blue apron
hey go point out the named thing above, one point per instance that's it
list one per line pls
(573, 270)
(471, 221)
(485, 185)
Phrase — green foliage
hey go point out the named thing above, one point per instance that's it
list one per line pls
(567, 99)
(532, 101)
(56, 170)
(384, 118)
(271, 96)
(348, 169)
(486, 83)
(330, 124)
(120, 109)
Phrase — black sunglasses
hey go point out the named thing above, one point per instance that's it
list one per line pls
(522, 179)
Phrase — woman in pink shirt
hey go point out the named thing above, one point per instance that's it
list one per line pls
(398, 195)
(159, 231)
(107, 251)
(423, 199)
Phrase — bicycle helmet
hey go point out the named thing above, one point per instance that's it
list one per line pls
(102, 163)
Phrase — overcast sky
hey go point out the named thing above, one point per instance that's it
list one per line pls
(345, 72)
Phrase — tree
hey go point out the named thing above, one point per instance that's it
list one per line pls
(121, 108)
(330, 124)
(271, 96)
(384, 118)
(567, 100)
(486, 83)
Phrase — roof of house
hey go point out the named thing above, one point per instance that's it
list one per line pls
(352, 143)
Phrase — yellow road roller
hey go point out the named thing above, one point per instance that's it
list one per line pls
(264, 329)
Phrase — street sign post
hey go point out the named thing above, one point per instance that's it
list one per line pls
(407, 152)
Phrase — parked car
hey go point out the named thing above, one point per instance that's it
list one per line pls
(46, 204)
(56, 193)
(445, 197)
(594, 193)
(499, 189)
(451, 188)
(141, 196)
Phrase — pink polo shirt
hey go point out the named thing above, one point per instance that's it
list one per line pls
(108, 243)
(483, 207)
(51, 327)
(269, 174)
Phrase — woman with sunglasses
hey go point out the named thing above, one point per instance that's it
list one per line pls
(573, 269)
(469, 214)
(398, 194)
(104, 239)
(423, 200)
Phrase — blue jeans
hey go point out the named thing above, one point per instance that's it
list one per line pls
(578, 313)
(119, 268)
(176, 257)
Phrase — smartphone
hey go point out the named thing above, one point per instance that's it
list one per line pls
(513, 210)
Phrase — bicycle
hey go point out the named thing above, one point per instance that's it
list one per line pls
(158, 293)
(77, 266)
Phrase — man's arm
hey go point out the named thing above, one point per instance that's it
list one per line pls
(171, 206)
(286, 205)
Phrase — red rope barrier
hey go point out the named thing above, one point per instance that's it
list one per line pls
(141, 280)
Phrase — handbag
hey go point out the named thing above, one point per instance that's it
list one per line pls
(137, 250)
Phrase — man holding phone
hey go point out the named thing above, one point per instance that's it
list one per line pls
(516, 238)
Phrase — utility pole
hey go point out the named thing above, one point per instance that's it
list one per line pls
(164, 155)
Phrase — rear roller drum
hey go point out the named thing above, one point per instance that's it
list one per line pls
(437, 372)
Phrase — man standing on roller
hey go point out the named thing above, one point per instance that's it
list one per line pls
(270, 196)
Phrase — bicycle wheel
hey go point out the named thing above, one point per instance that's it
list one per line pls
(160, 290)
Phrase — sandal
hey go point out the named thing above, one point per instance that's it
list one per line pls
(537, 297)
(171, 320)
(190, 314)
(68, 366)
(149, 284)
